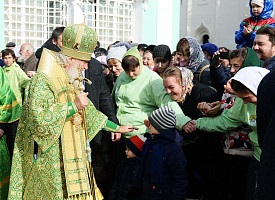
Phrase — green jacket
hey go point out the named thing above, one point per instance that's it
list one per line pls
(234, 117)
(9, 107)
(18, 80)
(137, 98)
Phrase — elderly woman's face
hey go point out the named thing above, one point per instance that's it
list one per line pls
(115, 66)
(148, 59)
(173, 87)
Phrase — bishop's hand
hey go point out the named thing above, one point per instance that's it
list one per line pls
(81, 100)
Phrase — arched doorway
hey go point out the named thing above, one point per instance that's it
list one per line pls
(202, 34)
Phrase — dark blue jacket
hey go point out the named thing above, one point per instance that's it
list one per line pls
(219, 77)
(264, 19)
(174, 163)
(126, 185)
(270, 63)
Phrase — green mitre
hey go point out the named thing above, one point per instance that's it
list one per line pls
(79, 41)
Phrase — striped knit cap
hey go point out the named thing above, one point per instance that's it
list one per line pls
(135, 144)
(163, 118)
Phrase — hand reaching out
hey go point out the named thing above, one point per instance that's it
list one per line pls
(190, 126)
(126, 129)
(122, 129)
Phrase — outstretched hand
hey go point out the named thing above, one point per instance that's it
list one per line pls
(190, 126)
(126, 129)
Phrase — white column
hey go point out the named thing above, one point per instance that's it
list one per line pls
(75, 15)
(165, 22)
(138, 5)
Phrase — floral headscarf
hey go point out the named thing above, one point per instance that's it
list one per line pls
(186, 83)
(196, 54)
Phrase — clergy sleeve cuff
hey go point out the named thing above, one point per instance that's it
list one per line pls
(111, 126)
(72, 109)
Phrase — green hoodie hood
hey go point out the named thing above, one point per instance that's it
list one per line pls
(252, 59)
(134, 52)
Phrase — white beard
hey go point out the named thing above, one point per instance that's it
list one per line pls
(73, 73)
(21, 59)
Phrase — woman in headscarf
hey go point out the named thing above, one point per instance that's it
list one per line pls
(245, 85)
(191, 56)
(236, 143)
(202, 149)
(137, 92)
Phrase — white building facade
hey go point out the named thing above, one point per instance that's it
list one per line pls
(34, 20)
(140, 21)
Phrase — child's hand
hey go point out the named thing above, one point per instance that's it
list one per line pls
(247, 30)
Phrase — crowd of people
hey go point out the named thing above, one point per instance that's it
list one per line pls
(79, 121)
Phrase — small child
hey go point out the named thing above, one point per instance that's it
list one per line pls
(16, 76)
(163, 161)
(126, 181)
(260, 11)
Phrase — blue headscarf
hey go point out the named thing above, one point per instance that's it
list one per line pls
(196, 54)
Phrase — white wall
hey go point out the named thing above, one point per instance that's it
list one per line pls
(164, 22)
(221, 17)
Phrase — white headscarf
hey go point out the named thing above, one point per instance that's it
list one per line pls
(251, 77)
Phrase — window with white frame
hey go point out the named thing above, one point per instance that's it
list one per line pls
(33, 20)
(113, 20)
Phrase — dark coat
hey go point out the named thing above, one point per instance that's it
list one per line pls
(270, 63)
(30, 64)
(99, 94)
(205, 75)
(219, 77)
(48, 45)
(126, 180)
(266, 136)
(104, 150)
(201, 149)
(199, 93)
(174, 171)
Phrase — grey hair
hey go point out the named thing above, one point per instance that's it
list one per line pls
(62, 59)
(28, 47)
